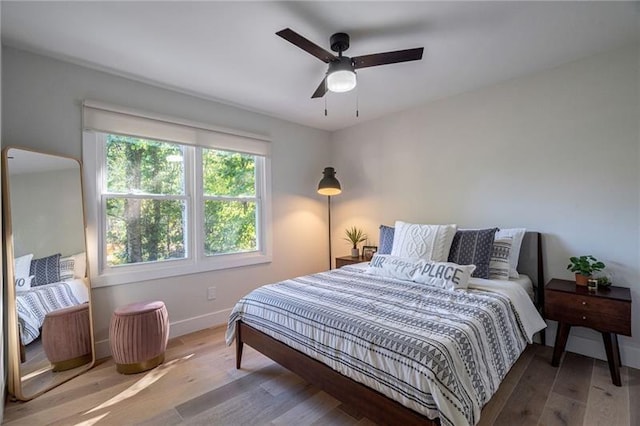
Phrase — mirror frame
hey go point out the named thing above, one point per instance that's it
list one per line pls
(14, 377)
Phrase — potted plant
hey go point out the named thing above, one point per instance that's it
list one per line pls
(584, 266)
(355, 236)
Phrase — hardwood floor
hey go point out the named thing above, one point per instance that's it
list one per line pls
(199, 385)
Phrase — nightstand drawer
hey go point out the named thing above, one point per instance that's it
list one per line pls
(605, 315)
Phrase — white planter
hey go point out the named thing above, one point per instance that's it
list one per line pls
(355, 252)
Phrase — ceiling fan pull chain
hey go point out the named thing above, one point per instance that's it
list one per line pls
(325, 105)
(357, 103)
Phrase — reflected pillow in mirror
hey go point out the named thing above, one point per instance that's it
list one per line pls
(21, 267)
(46, 270)
(80, 265)
(24, 284)
(67, 266)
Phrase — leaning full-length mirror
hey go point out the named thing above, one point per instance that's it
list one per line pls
(49, 323)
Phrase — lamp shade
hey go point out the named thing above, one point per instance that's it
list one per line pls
(329, 185)
(341, 76)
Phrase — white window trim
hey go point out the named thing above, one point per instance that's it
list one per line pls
(196, 261)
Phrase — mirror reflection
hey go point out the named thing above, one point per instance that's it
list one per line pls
(48, 307)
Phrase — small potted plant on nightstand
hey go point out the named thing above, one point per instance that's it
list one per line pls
(584, 266)
(355, 236)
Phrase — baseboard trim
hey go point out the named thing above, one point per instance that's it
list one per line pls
(177, 328)
(594, 347)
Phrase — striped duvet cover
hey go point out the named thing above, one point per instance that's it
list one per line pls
(441, 353)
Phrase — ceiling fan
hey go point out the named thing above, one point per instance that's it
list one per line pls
(341, 75)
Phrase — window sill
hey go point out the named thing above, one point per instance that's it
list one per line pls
(176, 268)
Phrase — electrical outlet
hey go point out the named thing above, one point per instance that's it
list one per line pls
(211, 293)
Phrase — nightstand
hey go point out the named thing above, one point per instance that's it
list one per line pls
(348, 260)
(606, 310)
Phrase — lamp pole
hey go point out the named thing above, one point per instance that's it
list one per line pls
(329, 215)
(329, 186)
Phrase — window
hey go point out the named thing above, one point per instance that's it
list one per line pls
(165, 207)
(144, 201)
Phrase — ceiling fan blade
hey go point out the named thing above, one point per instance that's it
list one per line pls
(321, 90)
(387, 58)
(306, 45)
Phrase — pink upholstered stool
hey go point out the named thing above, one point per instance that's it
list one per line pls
(66, 337)
(138, 336)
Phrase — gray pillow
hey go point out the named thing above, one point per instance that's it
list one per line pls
(46, 270)
(386, 239)
(473, 247)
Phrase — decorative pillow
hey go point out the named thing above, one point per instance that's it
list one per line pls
(46, 270)
(517, 234)
(386, 239)
(429, 242)
(445, 275)
(23, 284)
(473, 247)
(499, 265)
(80, 265)
(21, 267)
(67, 265)
(385, 265)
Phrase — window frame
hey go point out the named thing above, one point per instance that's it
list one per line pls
(196, 260)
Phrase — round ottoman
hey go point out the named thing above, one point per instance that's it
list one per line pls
(138, 336)
(66, 337)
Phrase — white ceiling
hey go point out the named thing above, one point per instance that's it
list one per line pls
(228, 51)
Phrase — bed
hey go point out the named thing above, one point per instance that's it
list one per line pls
(34, 304)
(393, 350)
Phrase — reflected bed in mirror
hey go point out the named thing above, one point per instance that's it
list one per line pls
(49, 326)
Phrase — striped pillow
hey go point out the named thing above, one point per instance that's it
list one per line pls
(499, 265)
(67, 266)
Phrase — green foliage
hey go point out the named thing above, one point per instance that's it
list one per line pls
(585, 265)
(230, 226)
(147, 207)
(228, 173)
(355, 236)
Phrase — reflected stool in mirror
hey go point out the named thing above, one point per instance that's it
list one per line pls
(138, 336)
(66, 337)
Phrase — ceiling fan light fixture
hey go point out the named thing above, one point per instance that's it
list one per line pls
(341, 77)
(341, 81)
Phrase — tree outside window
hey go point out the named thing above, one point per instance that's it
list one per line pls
(147, 201)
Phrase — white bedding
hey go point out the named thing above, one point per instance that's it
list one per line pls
(34, 304)
(441, 353)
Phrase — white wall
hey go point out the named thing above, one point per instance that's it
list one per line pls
(46, 213)
(42, 110)
(556, 152)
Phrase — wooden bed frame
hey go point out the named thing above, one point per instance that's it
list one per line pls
(368, 402)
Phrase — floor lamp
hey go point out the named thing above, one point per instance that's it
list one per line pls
(329, 186)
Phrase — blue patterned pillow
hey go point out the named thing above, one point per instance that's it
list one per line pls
(46, 270)
(473, 247)
(386, 239)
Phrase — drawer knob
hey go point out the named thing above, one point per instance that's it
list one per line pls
(584, 318)
(584, 303)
